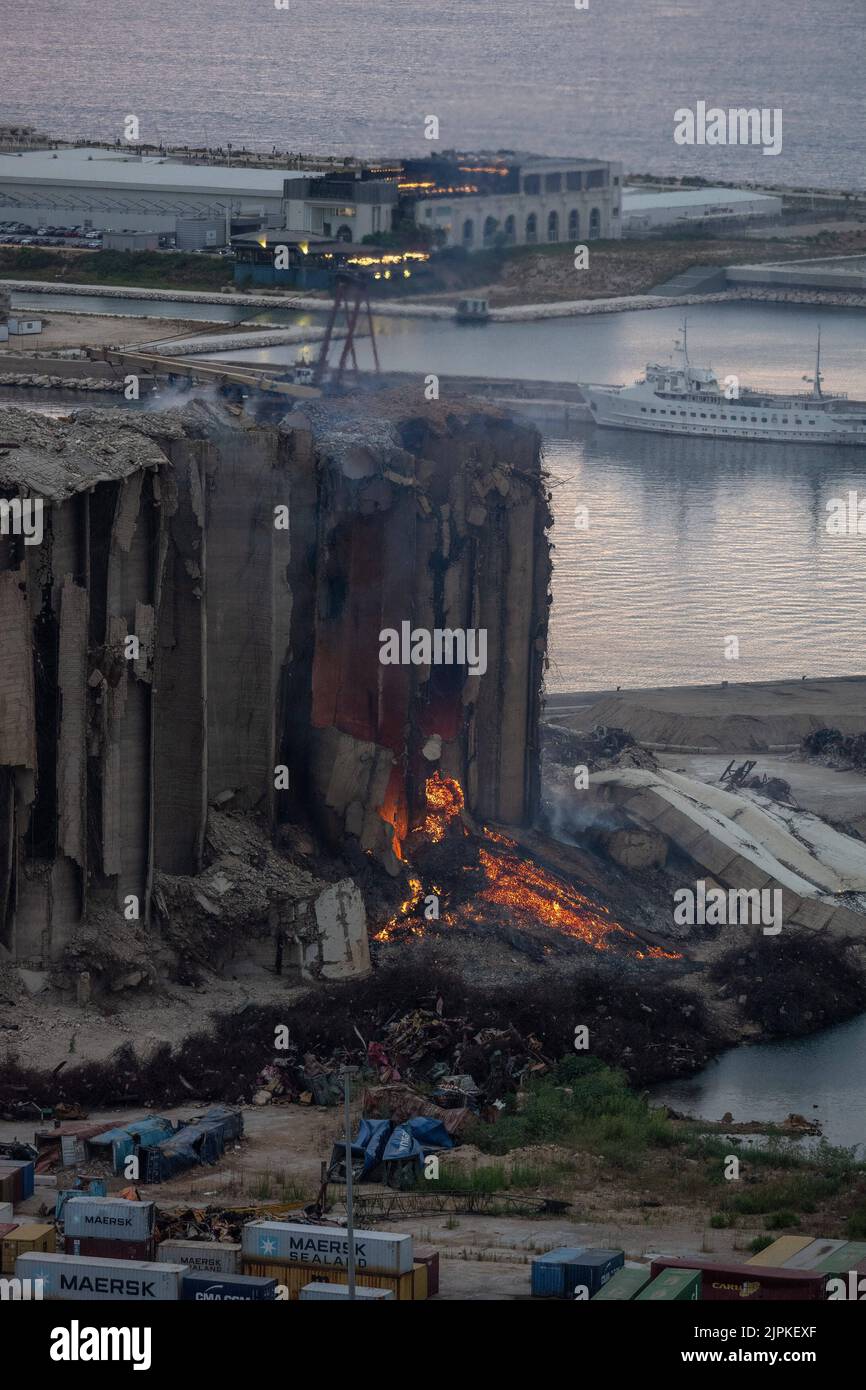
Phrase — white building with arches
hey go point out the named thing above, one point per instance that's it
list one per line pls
(548, 201)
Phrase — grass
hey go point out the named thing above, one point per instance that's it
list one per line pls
(133, 269)
(585, 1104)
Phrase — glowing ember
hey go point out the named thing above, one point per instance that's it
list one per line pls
(528, 894)
(444, 802)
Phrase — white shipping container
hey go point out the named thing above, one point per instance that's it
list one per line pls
(204, 1256)
(6, 1213)
(314, 1292)
(380, 1252)
(83, 1277)
(110, 1218)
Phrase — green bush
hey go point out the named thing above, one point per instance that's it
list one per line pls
(759, 1243)
(781, 1219)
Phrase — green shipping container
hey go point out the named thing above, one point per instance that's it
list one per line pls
(673, 1286)
(625, 1284)
(842, 1260)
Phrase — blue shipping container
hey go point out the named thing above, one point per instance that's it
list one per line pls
(227, 1288)
(549, 1271)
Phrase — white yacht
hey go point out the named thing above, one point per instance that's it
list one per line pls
(678, 398)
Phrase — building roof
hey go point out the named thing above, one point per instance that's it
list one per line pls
(123, 169)
(635, 201)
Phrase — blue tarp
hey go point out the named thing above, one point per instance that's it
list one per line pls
(127, 1139)
(380, 1141)
(189, 1146)
(230, 1122)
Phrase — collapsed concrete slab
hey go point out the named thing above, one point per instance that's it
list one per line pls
(748, 844)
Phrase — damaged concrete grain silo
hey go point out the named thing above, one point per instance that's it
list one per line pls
(431, 615)
(191, 657)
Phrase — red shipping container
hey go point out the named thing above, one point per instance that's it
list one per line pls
(427, 1255)
(104, 1249)
(750, 1283)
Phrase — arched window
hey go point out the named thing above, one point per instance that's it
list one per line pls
(468, 232)
(532, 228)
(594, 223)
(553, 227)
(510, 229)
(490, 228)
(573, 224)
(344, 233)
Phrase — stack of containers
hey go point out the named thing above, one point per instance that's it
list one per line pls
(567, 1271)
(21, 1239)
(83, 1277)
(109, 1228)
(17, 1179)
(297, 1255)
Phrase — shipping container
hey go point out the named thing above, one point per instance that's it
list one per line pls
(780, 1251)
(848, 1284)
(7, 1211)
(292, 1276)
(23, 1239)
(623, 1286)
(755, 1282)
(591, 1271)
(82, 1278)
(17, 1179)
(318, 1292)
(419, 1282)
(227, 1288)
(840, 1261)
(381, 1252)
(549, 1272)
(672, 1286)
(812, 1254)
(110, 1218)
(205, 1256)
(110, 1249)
(429, 1256)
(22, 1171)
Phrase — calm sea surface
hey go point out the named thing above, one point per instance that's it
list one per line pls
(361, 75)
(820, 1077)
(689, 541)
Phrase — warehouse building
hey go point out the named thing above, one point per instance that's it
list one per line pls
(643, 214)
(344, 207)
(483, 200)
(120, 191)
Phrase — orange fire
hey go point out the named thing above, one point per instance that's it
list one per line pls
(532, 894)
(444, 802)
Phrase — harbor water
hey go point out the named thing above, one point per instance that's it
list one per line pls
(604, 81)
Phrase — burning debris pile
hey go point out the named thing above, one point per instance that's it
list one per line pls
(480, 880)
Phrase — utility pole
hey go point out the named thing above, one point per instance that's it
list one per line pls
(350, 1224)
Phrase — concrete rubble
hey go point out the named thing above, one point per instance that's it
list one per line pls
(745, 842)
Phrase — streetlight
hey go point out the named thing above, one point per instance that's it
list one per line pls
(348, 1073)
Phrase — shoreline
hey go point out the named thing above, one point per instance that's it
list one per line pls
(393, 309)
